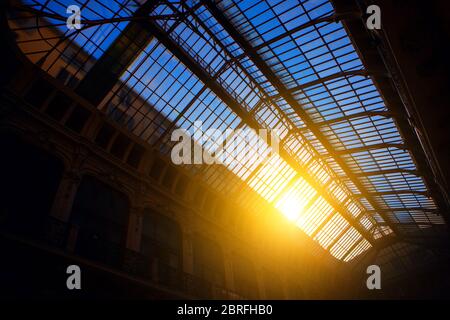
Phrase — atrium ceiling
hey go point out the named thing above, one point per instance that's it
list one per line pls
(343, 173)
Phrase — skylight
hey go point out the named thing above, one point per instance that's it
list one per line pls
(343, 173)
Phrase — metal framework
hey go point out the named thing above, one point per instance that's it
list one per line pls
(288, 65)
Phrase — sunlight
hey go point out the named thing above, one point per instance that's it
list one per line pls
(292, 203)
(291, 206)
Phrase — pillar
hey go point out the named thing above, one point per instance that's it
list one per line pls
(58, 229)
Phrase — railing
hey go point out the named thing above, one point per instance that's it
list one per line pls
(150, 269)
(160, 273)
(77, 117)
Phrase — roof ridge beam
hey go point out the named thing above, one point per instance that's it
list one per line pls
(287, 96)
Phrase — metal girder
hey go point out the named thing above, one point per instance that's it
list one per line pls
(367, 148)
(388, 171)
(393, 192)
(322, 224)
(99, 81)
(444, 237)
(342, 74)
(180, 115)
(426, 241)
(397, 96)
(333, 18)
(408, 223)
(287, 186)
(365, 259)
(352, 248)
(287, 96)
(88, 22)
(192, 65)
(338, 237)
(438, 242)
(435, 211)
(358, 115)
(229, 100)
(362, 149)
(268, 99)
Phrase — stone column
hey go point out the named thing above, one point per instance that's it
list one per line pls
(134, 232)
(58, 229)
(284, 287)
(65, 196)
(134, 262)
(228, 268)
(188, 250)
(260, 282)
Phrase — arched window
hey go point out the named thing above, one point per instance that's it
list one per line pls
(273, 285)
(100, 216)
(245, 281)
(29, 180)
(208, 260)
(161, 239)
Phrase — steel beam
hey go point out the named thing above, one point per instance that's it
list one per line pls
(287, 96)
(102, 77)
(333, 18)
(358, 115)
(366, 148)
(338, 237)
(435, 211)
(269, 100)
(388, 171)
(342, 74)
(352, 248)
(322, 224)
(88, 22)
(229, 100)
(392, 192)
(397, 97)
(409, 223)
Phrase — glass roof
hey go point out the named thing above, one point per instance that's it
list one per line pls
(342, 174)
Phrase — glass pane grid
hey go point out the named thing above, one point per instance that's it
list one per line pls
(319, 68)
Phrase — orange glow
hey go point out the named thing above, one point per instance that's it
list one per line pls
(291, 206)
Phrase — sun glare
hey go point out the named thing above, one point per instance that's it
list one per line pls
(290, 206)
